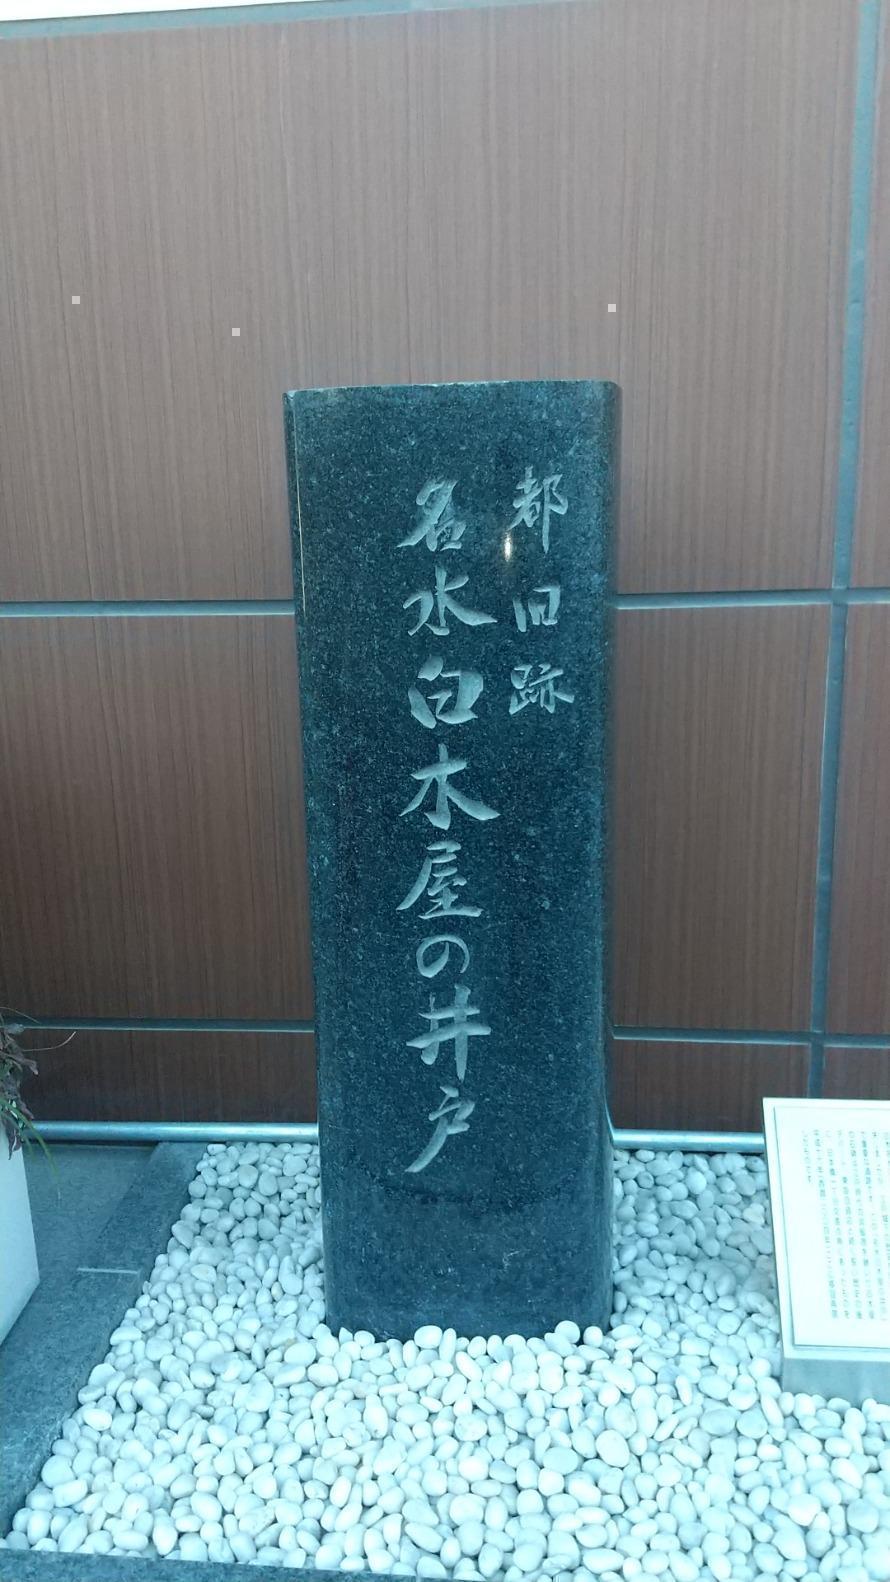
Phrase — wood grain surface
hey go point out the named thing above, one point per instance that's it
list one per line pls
(872, 541)
(702, 1087)
(174, 1076)
(151, 832)
(857, 1073)
(445, 195)
(859, 983)
(719, 736)
(438, 195)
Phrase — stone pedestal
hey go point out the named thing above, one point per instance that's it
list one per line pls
(452, 548)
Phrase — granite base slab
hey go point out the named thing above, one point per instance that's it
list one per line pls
(59, 1338)
(75, 1192)
(64, 1330)
(28, 1566)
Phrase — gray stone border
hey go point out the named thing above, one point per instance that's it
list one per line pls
(50, 1351)
(26, 1565)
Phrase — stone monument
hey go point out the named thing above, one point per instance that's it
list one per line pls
(451, 563)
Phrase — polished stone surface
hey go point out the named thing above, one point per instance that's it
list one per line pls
(45, 1360)
(74, 1192)
(93, 1210)
(452, 549)
(33, 1566)
(137, 1231)
(85, 1289)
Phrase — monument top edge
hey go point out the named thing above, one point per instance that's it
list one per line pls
(605, 385)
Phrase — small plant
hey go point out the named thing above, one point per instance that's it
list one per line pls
(15, 1116)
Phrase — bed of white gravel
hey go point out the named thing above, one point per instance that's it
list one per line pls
(228, 1423)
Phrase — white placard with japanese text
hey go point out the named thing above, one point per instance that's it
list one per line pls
(833, 1160)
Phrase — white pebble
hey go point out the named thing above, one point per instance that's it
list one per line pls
(489, 1560)
(96, 1417)
(301, 1352)
(341, 1488)
(206, 1506)
(427, 1538)
(228, 1422)
(529, 1554)
(790, 1543)
(598, 1561)
(131, 1540)
(803, 1509)
(191, 1547)
(36, 1526)
(611, 1448)
(561, 1458)
(428, 1337)
(71, 1493)
(258, 1395)
(862, 1517)
(164, 1535)
(56, 1470)
(466, 1508)
(73, 1535)
(471, 1536)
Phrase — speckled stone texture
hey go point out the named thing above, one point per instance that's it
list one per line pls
(452, 549)
(64, 1329)
(37, 1566)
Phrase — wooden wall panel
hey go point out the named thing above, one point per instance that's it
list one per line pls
(151, 830)
(702, 1087)
(438, 195)
(857, 1073)
(719, 738)
(872, 543)
(859, 986)
(446, 195)
(187, 1076)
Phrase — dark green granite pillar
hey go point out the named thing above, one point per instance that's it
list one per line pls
(452, 546)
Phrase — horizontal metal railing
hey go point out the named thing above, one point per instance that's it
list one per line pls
(307, 1132)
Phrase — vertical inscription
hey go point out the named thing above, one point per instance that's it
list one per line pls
(447, 698)
(442, 694)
